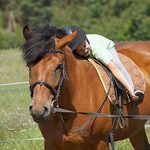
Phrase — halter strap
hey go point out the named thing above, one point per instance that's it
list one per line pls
(54, 91)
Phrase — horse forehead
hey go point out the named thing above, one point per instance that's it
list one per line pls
(49, 61)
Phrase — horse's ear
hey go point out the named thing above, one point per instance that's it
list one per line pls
(65, 40)
(26, 32)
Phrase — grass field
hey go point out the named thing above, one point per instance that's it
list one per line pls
(16, 125)
(17, 130)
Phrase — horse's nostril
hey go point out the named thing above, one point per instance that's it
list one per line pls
(46, 109)
(30, 108)
(46, 112)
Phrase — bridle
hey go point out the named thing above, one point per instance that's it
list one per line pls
(55, 91)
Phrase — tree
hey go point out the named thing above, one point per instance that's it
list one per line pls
(32, 12)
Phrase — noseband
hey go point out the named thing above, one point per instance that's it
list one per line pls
(55, 91)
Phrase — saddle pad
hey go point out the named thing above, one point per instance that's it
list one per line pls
(133, 70)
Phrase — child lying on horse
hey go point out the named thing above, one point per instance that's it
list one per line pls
(103, 49)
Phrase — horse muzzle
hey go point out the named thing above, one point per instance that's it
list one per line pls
(41, 115)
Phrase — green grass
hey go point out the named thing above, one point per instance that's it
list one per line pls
(22, 140)
(125, 145)
(15, 121)
(12, 67)
(16, 125)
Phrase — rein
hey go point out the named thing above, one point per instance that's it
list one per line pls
(141, 117)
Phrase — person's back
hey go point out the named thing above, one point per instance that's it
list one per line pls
(100, 47)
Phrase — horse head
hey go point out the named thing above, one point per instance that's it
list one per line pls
(44, 56)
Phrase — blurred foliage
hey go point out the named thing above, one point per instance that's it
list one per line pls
(11, 40)
(119, 20)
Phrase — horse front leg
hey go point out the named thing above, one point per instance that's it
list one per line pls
(139, 141)
(103, 145)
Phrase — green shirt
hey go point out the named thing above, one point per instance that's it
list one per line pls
(100, 47)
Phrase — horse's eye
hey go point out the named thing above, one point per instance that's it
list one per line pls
(59, 66)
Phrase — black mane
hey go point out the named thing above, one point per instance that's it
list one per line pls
(40, 42)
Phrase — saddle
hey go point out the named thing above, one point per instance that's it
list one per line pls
(117, 89)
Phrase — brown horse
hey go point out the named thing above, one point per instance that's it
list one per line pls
(50, 62)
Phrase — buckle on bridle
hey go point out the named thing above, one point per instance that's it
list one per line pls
(54, 104)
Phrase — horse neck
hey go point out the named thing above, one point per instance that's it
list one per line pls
(79, 86)
(72, 68)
